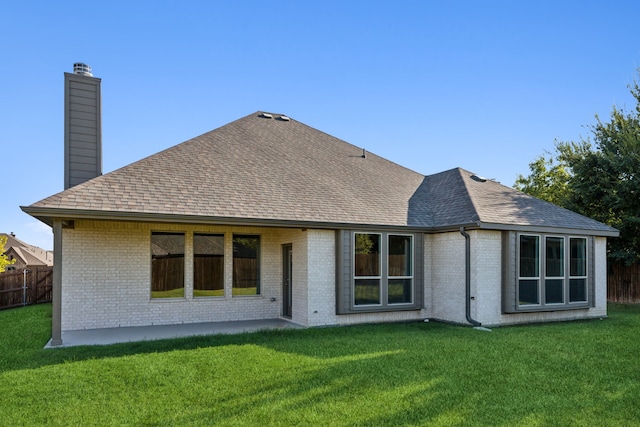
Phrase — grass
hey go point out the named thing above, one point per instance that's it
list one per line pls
(578, 373)
(208, 292)
(172, 293)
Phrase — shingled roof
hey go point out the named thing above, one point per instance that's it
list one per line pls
(271, 169)
(25, 253)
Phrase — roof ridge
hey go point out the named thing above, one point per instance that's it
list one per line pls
(467, 191)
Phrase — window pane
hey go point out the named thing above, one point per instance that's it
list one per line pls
(246, 265)
(529, 256)
(367, 255)
(578, 257)
(208, 265)
(400, 291)
(528, 292)
(167, 265)
(367, 291)
(554, 291)
(554, 256)
(577, 290)
(400, 256)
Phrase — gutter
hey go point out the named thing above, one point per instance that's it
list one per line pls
(467, 267)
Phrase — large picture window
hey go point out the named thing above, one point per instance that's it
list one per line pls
(382, 283)
(552, 272)
(246, 265)
(167, 265)
(208, 265)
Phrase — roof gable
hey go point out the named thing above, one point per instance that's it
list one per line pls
(26, 253)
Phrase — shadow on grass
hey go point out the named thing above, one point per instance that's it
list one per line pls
(26, 331)
(413, 373)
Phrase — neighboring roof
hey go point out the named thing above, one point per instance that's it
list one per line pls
(27, 254)
(278, 171)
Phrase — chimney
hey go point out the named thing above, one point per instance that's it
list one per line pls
(82, 126)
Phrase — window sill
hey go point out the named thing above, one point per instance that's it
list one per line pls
(550, 308)
(381, 309)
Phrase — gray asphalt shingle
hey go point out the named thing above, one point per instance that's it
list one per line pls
(258, 168)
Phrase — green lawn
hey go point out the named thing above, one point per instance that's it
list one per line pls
(577, 373)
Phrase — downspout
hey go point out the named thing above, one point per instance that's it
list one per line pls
(467, 267)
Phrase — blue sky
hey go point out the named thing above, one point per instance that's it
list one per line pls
(483, 85)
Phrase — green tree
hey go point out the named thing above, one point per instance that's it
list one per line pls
(598, 177)
(605, 182)
(549, 180)
(4, 261)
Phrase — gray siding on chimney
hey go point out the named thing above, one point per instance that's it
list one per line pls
(82, 129)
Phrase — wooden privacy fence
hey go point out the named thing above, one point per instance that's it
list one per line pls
(167, 271)
(623, 283)
(18, 289)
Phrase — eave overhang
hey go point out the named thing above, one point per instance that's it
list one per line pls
(549, 229)
(48, 215)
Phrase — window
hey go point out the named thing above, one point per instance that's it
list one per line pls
(167, 265)
(208, 265)
(379, 271)
(377, 283)
(546, 277)
(367, 269)
(529, 282)
(400, 284)
(578, 270)
(554, 270)
(246, 265)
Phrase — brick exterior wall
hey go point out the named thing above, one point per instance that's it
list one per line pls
(446, 277)
(486, 278)
(106, 275)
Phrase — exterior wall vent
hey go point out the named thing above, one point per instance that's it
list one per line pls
(82, 69)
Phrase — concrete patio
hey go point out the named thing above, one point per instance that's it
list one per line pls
(158, 332)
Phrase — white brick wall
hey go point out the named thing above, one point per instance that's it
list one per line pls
(447, 277)
(445, 281)
(107, 269)
(321, 261)
(486, 253)
(486, 275)
(106, 278)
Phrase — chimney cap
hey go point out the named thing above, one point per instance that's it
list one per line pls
(82, 69)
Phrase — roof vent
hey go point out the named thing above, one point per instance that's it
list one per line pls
(285, 118)
(478, 178)
(82, 69)
(266, 115)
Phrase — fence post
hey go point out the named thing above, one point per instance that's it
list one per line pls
(24, 286)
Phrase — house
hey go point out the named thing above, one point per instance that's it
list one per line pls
(24, 254)
(266, 217)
